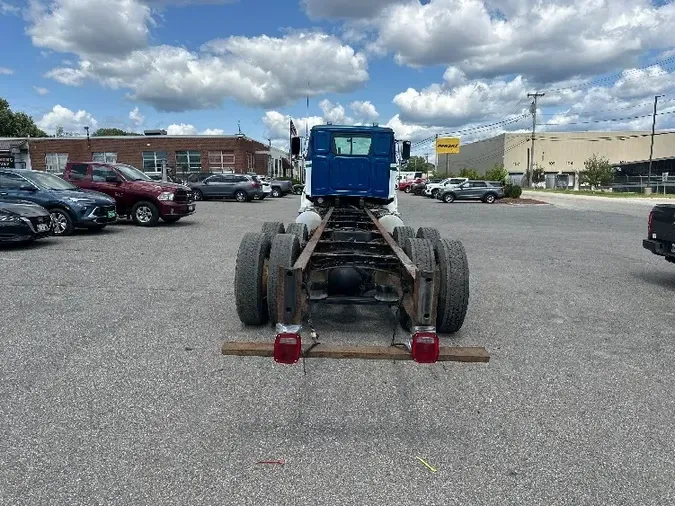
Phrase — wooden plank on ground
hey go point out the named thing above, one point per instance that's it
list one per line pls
(447, 353)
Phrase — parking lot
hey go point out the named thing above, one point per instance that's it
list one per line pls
(113, 389)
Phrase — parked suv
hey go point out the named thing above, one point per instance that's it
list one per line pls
(137, 195)
(69, 206)
(241, 187)
(432, 189)
(487, 191)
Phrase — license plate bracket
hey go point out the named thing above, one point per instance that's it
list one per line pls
(112, 214)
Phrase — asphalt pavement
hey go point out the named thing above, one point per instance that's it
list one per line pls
(113, 390)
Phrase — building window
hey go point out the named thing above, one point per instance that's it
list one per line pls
(221, 160)
(249, 160)
(56, 162)
(105, 157)
(152, 160)
(189, 161)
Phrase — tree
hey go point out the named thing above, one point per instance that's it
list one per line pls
(597, 172)
(418, 164)
(17, 124)
(497, 173)
(469, 173)
(112, 132)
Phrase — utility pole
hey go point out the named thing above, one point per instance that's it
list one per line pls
(533, 110)
(648, 189)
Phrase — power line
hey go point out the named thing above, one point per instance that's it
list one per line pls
(592, 113)
(606, 120)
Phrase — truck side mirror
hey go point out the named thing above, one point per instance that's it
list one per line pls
(295, 146)
(405, 152)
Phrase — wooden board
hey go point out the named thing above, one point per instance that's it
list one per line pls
(447, 353)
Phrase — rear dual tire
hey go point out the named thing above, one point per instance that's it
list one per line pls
(256, 281)
(449, 258)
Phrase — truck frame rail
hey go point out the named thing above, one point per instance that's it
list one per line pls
(282, 275)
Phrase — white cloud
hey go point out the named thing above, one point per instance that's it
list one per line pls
(182, 129)
(7, 8)
(136, 117)
(457, 100)
(254, 71)
(70, 121)
(543, 41)
(364, 111)
(88, 26)
(277, 125)
(4, 71)
(188, 129)
(40, 91)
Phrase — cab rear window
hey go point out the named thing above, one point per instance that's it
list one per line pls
(351, 145)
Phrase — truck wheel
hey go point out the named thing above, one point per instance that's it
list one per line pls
(276, 193)
(145, 214)
(421, 252)
(300, 231)
(453, 294)
(428, 233)
(62, 223)
(402, 233)
(272, 228)
(284, 252)
(250, 279)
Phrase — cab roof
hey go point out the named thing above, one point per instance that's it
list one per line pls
(351, 128)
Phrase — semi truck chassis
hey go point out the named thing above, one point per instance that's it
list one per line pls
(282, 276)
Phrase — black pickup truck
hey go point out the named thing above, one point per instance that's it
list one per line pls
(661, 232)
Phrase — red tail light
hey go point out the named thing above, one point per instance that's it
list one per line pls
(287, 347)
(650, 224)
(256, 185)
(425, 347)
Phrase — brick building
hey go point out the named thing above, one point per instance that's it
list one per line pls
(185, 153)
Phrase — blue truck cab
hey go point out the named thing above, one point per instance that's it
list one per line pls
(348, 163)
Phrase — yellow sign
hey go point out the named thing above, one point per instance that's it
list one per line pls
(447, 145)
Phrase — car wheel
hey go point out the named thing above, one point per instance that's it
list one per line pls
(198, 195)
(489, 198)
(434, 193)
(240, 196)
(448, 198)
(276, 193)
(407, 189)
(62, 223)
(145, 214)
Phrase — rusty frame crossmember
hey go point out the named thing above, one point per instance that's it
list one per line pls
(418, 291)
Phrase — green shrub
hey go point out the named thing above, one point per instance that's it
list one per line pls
(512, 191)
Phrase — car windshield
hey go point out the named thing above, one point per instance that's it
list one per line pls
(132, 173)
(48, 181)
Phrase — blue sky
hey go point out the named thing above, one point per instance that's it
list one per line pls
(421, 67)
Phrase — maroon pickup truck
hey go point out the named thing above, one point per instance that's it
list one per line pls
(137, 195)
